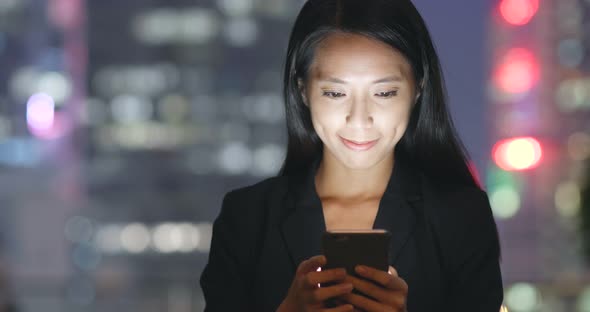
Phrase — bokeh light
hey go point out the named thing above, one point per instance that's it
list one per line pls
(505, 202)
(568, 199)
(523, 297)
(517, 153)
(518, 12)
(517, 72)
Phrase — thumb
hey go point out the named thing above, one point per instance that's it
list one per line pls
(311, 264)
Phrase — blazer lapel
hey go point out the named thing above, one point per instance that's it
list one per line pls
(396, 210)
(395, 215)
(304, 223)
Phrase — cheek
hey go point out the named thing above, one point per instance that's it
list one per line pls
(325, 119)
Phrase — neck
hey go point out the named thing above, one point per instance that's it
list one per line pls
(334, 180)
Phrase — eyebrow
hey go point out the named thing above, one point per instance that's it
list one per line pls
(386, 79)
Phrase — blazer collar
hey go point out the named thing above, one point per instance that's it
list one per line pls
(304, 224)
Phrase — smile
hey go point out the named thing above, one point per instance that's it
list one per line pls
(358, 146)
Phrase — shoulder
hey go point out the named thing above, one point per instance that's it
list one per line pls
(249, 201)
(460, 215)
(257, 191)
(456, 204)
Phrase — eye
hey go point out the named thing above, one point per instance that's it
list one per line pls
(387, 94)
(333, 94)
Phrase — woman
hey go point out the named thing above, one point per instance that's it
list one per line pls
(371, 145)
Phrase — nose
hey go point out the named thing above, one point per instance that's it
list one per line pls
(359, 115)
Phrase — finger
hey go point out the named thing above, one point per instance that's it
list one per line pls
(367, 304)
(382, 278)
(374, 291)
(322, 294)
(312, 279)
(392, 271)
(311, 264)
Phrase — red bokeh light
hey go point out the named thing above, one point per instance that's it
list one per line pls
(517, 153)
(517, 72)
(518, 12)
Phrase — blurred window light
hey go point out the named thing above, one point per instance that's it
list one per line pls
(166, 238)
(206, 231)
(571, 52)
(267, 160)
(518, 12)
(173, 108)
(79, 229)
(197, 26)
(146, 80)
(523, 297)
(578, 146)
(156, 27)
(517, 72)
(505, 202)
(108, 238)
(167, 26)
(241, 31)
(56, 85)
(517, 153)
(568, 199)
(191, 237)
(147, 135)
(276, 8)
(236, 7)
(235, 158)
(573, 94)
(129, 109)
(135, 238)
(20, 152)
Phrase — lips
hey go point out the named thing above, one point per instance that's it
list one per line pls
(358, 145)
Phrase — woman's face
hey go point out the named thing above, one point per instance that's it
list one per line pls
(360, 93)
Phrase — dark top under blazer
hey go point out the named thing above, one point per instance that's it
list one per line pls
(444, 243)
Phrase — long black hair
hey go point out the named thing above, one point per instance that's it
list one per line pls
(430, 140)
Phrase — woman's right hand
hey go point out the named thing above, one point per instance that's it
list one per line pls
(305, 295)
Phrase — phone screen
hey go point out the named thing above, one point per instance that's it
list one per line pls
(349, 248)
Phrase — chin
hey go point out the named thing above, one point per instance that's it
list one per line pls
(359, 162)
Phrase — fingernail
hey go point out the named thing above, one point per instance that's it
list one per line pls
(361, 269)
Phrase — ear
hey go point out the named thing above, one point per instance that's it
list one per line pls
(301, 87)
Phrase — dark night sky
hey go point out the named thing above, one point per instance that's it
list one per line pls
(459, 31)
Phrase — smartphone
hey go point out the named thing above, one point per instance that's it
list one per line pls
(349, 248)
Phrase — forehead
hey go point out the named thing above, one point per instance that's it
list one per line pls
(345, 55)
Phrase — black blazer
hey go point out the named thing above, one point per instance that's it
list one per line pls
(444, 243)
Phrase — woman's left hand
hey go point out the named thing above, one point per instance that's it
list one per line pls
(389, 291)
